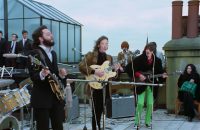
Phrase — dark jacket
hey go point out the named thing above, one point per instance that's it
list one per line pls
(140, 65)
(26, 48)
(91, 58)
(188, 77)
(42, 95)
(2, 51)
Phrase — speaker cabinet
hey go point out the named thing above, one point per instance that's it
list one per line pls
(121, 106)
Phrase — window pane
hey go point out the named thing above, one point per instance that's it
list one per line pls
(47, 23)
(15, 9)
(12, 28)
(55, 32)
(2, 26)
(29, 13)
(1, 9)
(70, 43)
(30, 25)
(77, 43)
(63, 42)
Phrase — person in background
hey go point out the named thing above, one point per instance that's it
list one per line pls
(25, 46)
(2, 49)
(159, 54)
(12, 47)
(125, 56)
(189, 77)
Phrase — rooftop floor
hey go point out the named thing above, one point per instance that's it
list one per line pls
(161, 121)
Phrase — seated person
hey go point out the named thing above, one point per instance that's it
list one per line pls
(189, 76)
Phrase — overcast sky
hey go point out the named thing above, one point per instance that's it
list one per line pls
(120, 20)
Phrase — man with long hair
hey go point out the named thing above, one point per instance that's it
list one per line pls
(147, 62)
(45, 103)
(97, 57)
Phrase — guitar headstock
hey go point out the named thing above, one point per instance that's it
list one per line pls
(177, 72)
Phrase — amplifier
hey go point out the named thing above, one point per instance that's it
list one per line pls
(121, 106)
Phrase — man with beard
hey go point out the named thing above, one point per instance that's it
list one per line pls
(45, 103)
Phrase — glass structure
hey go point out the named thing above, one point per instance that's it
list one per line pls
(18, 15)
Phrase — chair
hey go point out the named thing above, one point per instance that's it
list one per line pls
(178, 104)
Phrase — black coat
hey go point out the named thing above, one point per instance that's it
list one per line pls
(140, 65)
(2, 51)
(26, 48)
(188, 77)
(42, 95)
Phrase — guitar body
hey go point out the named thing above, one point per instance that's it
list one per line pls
(107, 74)
(55, 83)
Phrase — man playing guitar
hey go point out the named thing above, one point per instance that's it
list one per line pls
(146, 62)
(97, 57)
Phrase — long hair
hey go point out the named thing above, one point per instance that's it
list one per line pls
(98, 41)
(194, 70)
(36, 34)
(149, 46)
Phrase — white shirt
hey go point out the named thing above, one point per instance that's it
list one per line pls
(48, 52)
(24, 40)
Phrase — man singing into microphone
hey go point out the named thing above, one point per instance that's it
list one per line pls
(45, 103)
(125, 55)
(147, 62)
(97, 57)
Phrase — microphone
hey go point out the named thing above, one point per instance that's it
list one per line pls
(12, 55)
(73, 66)
(74, 49)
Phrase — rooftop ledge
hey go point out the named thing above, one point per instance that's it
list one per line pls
(183, 44)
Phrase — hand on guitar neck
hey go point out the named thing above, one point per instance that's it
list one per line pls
(147, 76)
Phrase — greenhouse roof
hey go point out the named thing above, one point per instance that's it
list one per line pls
(48, 11)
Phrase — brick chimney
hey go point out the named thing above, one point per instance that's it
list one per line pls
(193, 14)
(177, 19)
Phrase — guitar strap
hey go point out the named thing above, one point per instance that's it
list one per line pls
(41, 56)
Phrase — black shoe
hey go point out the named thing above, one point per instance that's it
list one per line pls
(136, 126)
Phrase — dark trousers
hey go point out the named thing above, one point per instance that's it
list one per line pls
(55, 114)
(98, 108)
(188, 104)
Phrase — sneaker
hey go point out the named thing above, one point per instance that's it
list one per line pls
(148, 126)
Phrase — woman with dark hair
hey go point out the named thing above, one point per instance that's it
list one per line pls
(189, 76)
(147, 62)
(97, 57)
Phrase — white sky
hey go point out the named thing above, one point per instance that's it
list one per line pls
(120, 20)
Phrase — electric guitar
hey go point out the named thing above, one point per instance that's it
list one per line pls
(108, 73)
(56, 85)
(149, 76)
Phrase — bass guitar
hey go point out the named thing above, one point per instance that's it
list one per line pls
(56, 85)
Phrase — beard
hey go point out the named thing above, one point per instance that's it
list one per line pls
(49, 43)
